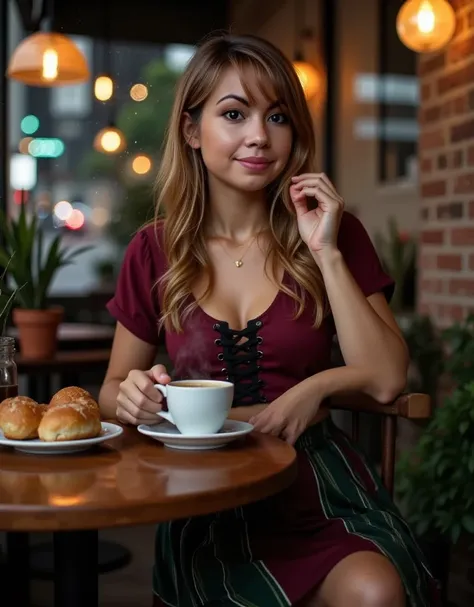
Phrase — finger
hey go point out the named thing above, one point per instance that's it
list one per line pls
(320, 176)
(299, 201)
(125, 417)
(135, 413)
(290, 435)
(297, 178)
(326, 179)
(141, 400)
(261, 421)
(159, 374)
(145, 384)
(317, 184)
(271, 426)
(321, 196)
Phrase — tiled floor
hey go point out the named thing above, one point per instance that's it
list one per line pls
(128, 587)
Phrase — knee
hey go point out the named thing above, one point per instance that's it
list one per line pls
(379, 587)
(365, 579)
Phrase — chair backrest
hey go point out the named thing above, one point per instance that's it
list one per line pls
(409, 406)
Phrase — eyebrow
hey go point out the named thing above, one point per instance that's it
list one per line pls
(245, 102)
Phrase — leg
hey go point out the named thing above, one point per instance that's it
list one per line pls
(76, 572)
(362, 579)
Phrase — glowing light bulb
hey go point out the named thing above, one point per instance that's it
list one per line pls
(50, 64)
(426, 18)
(110, 141)
(425, 26)
(103, 88)
(141, 165)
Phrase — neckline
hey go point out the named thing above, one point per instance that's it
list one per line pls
(260, 317)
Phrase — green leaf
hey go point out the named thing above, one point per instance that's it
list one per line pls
(468, 522)
(455, 533)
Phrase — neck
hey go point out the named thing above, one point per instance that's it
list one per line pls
(235, 215)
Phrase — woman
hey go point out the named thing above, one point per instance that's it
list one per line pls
(253, 271)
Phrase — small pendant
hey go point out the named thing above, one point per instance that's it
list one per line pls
(239, 263)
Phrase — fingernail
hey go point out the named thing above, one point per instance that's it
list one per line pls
(163, 376)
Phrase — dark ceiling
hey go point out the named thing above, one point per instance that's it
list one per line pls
(155, 21)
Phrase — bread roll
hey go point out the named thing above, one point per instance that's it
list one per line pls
(20, 417)
(73, 394)
(71, 421)
(69, 395)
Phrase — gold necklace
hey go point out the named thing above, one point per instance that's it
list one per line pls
(239, 262)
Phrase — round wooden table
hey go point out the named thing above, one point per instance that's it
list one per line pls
(130, 480)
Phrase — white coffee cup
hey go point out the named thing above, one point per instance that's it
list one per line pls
(197, 406)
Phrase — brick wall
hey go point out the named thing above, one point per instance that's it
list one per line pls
(446, 154)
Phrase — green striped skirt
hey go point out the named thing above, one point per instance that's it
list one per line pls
(274, 552)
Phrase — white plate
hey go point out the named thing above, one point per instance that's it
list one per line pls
(58, 447)
(170, 436)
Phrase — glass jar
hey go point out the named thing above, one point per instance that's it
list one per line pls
(8, 370)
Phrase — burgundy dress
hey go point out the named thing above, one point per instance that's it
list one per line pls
(276, 551)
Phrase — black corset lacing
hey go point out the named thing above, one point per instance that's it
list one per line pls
(242, 361)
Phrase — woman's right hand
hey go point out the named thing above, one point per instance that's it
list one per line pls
(138, 401)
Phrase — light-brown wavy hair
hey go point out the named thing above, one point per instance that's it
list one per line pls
(181, 184)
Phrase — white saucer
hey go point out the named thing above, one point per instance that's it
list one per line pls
(170, 436)
(38, 446)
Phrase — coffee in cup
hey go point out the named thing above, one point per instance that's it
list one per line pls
(197, 406)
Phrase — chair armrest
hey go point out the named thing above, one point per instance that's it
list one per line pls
(410, 406)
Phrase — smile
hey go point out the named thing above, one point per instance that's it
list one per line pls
(254, 164)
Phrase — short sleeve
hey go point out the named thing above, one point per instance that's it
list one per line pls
(362, 259)
(135, 303)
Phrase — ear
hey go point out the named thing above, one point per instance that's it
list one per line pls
(191, 131)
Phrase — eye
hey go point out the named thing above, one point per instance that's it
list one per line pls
(279, 118)
(232, 115)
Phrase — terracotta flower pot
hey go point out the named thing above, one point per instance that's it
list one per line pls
(37, 331)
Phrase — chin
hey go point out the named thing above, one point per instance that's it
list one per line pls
(252, 184)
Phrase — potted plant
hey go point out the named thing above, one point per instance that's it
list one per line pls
(435, 480)
(397, 251)
(31, 267)
(425, 345)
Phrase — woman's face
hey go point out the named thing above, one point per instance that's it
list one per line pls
(244, 143)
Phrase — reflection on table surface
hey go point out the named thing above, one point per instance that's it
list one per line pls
(134, 479)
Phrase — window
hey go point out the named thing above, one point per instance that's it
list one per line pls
(398, 100)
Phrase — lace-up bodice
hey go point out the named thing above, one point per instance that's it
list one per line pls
(241, 356)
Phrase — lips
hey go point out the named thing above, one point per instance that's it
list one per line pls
(254, 163)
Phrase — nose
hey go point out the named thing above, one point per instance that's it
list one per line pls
(257, 135)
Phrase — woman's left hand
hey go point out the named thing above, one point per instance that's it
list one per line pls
(289, 415)
(318, 227)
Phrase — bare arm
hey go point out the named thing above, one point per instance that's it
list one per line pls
(128, 353)
(370, 340)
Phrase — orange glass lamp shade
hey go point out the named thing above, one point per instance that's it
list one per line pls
(425, 26)
(309, 78)
(48, 59)
(110, 140)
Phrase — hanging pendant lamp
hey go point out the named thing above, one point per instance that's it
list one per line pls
(48, 59)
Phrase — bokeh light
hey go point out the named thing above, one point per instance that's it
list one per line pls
(139, 92)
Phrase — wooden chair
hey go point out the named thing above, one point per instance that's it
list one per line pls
(409, 406)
